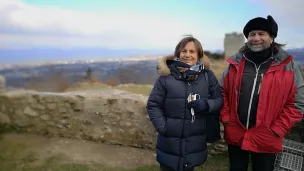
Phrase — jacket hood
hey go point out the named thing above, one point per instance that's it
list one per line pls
(163, 68)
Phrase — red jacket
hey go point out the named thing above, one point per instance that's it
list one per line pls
(281, 104)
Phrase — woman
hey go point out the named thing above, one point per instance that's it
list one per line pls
(181, 125)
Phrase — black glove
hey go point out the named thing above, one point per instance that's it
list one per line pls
(198, 105)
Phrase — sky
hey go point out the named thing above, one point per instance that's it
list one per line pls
(142, 24)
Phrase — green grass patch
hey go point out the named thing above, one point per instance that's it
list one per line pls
(6, 128)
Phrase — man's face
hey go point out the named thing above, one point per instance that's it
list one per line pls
(259, 40)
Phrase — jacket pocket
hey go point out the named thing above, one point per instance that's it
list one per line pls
(265, 140)
(213, 130)
(173, 127)
(233, 133)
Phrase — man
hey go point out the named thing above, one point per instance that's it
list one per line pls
(263, 93)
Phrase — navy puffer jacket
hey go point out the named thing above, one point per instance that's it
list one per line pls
(181, 145)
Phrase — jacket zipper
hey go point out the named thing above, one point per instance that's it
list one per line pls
(181, 137)
(253, 88)
(260, 83)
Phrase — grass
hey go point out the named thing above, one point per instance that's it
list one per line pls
(81, 86)
(218, 67)
(5, 128)
(18, 157)
(132, 88)
(136, 88)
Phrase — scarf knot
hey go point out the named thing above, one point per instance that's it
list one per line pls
(188, 72)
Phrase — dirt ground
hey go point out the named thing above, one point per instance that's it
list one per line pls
(83, 152)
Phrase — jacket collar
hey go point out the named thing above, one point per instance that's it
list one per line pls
(278, 57)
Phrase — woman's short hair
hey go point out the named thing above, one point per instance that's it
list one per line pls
(181, 45)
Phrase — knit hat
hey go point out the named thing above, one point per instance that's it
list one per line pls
(259, 23)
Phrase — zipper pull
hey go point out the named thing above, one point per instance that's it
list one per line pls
(193, 115)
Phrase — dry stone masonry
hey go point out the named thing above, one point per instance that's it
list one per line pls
(111, 116)
(232, 43)
(2, 84)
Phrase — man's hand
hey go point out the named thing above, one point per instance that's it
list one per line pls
(227, 122)
(198, 105)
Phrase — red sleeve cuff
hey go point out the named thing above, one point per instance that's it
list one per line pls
(225, 118)
(277, 130)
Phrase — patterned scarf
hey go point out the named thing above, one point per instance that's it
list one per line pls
(189, 72)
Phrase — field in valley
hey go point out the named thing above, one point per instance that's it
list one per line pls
(218, 67)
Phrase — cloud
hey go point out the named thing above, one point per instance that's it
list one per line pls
(288, 16)
(24, 25)
(288, 12)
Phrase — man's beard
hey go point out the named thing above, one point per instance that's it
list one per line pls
(258, 48)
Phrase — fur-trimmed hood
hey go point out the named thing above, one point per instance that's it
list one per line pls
(163, 69)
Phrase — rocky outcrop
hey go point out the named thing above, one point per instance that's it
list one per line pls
(111, 116)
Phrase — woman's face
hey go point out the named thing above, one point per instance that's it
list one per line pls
(189, 54)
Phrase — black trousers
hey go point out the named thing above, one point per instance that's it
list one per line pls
(163, 168)
(239, 160)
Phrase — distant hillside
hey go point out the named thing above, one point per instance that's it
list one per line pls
(298, 54)
(114, 72)
(140, 72)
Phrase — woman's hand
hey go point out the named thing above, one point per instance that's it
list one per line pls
(198, 105)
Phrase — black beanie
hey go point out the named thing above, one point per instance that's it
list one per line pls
(259, 23)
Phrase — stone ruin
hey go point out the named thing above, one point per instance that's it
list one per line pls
(232, 43)
(108, 116)
(2, 84)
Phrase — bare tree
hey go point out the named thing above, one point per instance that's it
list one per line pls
(54, 81)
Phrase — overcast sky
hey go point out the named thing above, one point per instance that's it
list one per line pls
(145, 24)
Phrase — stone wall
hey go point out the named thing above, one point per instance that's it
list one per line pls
(112, 116)
(2, 84)
(232, 43)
